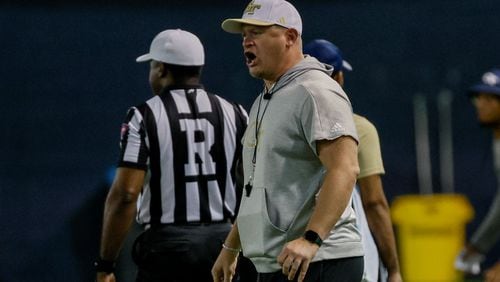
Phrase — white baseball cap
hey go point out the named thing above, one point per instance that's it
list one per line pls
(176, 47)
(266, 13)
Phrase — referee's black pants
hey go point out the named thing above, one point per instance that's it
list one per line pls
(175, 253)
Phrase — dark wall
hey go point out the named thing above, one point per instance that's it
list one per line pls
(69, 74)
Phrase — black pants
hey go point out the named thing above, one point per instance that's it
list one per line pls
(334, 270)
(178, 253)
(245, 270)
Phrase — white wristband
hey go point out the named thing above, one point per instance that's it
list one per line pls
(233, 250)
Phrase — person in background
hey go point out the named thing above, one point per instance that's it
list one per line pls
(176, 173)
(485, 97)
(301, 140)
(370, 204)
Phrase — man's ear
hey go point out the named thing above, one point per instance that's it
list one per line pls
(163, 71)
(292, 36)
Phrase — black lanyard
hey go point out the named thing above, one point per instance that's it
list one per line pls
(258, 124)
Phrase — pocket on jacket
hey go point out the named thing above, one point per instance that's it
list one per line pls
(258, 235)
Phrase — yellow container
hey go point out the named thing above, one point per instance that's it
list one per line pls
(430, 234)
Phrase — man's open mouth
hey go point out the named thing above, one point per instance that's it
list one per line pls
(250, 57)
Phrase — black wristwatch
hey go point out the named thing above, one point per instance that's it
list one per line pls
(313, 237)
(107, 266)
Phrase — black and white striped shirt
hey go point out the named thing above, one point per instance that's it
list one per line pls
(188, 142)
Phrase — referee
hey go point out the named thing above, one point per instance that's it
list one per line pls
(176, 173)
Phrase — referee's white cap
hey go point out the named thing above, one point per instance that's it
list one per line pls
(266, 13)
(176, 47)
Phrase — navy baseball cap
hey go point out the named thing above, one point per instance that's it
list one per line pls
(326, 52)
(490, 84)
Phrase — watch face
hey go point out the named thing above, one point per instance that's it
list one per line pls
(313, 237)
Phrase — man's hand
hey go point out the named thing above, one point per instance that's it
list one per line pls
(297, 255)
(105, 277)
(225, 266)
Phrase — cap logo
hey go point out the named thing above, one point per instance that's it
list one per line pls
(282, 20)
(250, 9)
(491, 79)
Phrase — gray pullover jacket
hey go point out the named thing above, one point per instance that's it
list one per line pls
(306, 106)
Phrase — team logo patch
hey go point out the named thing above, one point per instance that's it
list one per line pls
(124, 130)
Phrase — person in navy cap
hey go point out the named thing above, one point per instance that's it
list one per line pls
(328, 53)
(486, 99)
(370, 203)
